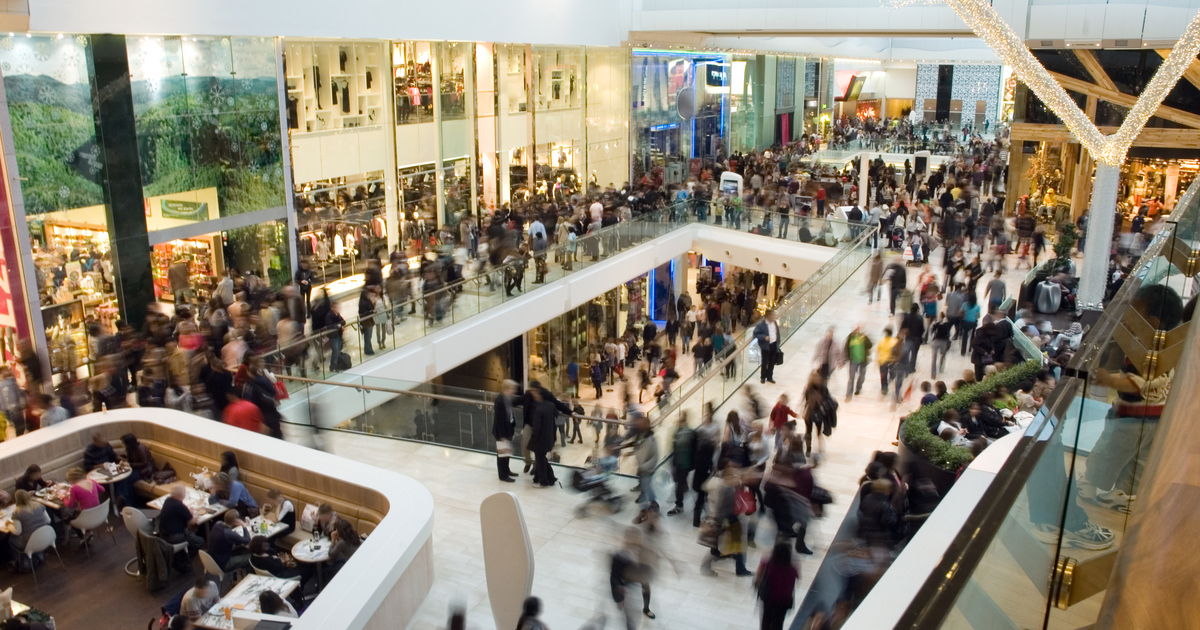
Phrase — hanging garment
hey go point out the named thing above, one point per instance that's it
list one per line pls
(292, 119)
(339, 246)
(346, 97)
(334, 89)
(342, 60)
(317, 84)
(368, 79)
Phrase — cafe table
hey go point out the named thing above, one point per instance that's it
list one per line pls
(7, 526)
(53, 495)
(244, 598)
(313, 551)
(196, 501)
(255, 527)
(109, 474)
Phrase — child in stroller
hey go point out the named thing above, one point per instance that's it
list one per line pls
(594, 481)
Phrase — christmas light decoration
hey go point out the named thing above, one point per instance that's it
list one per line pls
(1108, 150)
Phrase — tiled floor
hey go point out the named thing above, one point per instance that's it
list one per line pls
(572, 553)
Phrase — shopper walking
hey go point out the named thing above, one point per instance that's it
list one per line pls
(632, 564)
(885, 356)
(366, 317)
(858, 354)
(775, 582)
(683, 456)
(940, 343)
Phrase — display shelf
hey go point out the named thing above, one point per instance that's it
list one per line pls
(333, 84)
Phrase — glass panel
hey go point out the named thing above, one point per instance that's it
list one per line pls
(47, 84)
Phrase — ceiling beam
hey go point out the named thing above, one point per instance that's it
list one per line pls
(1157, 137)
(1192, 74)
(1093, 67)
(1125, 100)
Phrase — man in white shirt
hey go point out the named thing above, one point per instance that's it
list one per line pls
(536, 228)
(766, 333)
(597, 211)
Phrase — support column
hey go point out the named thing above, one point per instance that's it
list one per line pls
(391, 190)
(1093, 277)
(439, 183)
(286, 155)
(1171, 189)
(112, 103)
(864, 164)
(1081, 188)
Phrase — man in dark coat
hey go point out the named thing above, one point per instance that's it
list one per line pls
(503, 429)
(539, 415)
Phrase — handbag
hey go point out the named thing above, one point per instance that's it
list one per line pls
(281, 392)
(165, 476)
(709, 534)
(779, 357)
(504, 447)
(743, 502)
(820, 496)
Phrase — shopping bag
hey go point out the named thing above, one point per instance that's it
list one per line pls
(504, 447)
(755, 353)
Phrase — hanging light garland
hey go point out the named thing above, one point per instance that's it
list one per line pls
(1109, 150)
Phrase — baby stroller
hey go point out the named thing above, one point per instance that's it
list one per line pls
(594, 482)
(897, 238)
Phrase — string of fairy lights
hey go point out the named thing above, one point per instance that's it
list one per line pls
(987, 24)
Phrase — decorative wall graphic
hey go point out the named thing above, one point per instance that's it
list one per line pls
(811, 77)
(785, 83)
(972, 82)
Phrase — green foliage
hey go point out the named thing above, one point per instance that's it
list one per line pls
(45, 137)
(1067, 237)
(915, 431)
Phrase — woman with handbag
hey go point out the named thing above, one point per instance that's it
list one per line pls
(722, 532)
(815, 396)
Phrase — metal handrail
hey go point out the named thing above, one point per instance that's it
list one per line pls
(443, 397)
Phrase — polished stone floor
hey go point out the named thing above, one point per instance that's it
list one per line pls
(572, 553)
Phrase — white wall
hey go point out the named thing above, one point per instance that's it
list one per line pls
(578, 22)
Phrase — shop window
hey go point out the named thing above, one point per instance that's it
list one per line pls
(47, 83)
(454, 59)
(333, 85)
(413, 82)
(341, 224)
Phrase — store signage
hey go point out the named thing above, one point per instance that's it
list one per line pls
(716, 75)
(186, 210)
(664, 127)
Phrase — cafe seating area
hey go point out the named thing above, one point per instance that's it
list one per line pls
(383, 583)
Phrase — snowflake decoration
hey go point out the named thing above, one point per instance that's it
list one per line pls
(56, 114)
(216, 110)
(24, 69)
(153, 85)
(64, 192)
(46, 95)
(254, 168)
(235, 147)
(24, 54)
(229, 101)
(42, 51)
(170, 64)
(224, 41)
(263, 125)
(71, 57)
(81, 40)
(6, 43)
(247, 85)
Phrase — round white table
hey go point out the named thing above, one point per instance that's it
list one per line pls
(314, 551)
(101, 475)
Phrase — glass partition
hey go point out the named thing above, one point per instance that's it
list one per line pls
(1038, 550)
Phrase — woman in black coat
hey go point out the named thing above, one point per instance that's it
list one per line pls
(541, 420)
(985, 348)
(504, 428)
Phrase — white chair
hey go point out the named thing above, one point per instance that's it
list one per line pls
(137, 521)
(258, 571)
(90, 519)
(41, 539)
(212, 568)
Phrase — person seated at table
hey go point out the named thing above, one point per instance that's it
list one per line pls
(141, 461)
(226, 544)
(278, 509)
(264, 557)
(28, 516)
(32, 480)
(229, 465)
(99, 452)
(176, 523)
(326, 521)
(180, 622)
(345, 542)
(270, 603)
(203, 595)
(85, 493)
(233, 495)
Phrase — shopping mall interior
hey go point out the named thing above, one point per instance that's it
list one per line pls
(607, 313)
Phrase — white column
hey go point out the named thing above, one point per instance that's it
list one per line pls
(1093, 276)
(435, 67)
(391, 191)
(864, 163)
(289, 191)
(1171, 189)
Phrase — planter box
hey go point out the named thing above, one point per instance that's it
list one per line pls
(918, 466)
